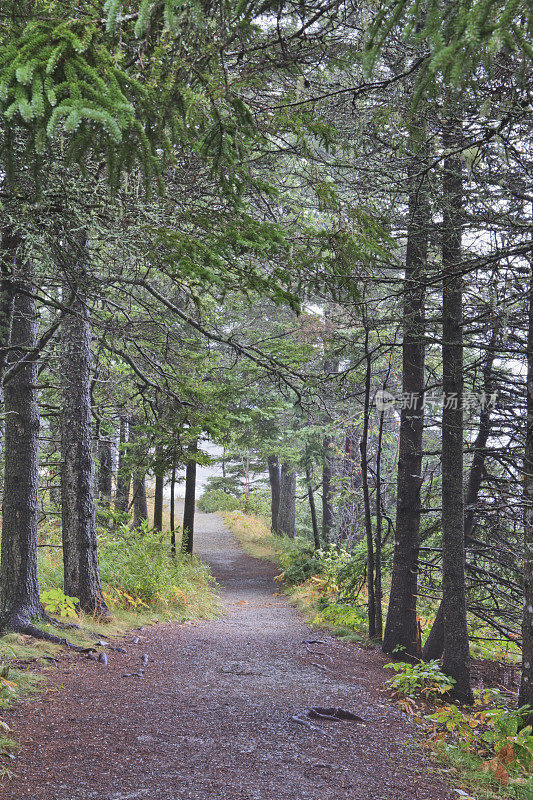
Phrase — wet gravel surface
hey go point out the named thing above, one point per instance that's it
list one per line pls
(211, 718)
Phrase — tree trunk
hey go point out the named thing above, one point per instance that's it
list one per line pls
(189, 505)
(312, 508)
(173, 511)
(158, 502)
(122, 496)
(9, 256)
(525, 696)
(378, 593)
(275, 477)
(80, 559)
(434, 644)
(140, 503)
(401, 625)
(331, 366)
(456, 653)
(105, 472)
(328, 515)
(287, 502)
(366, 498)
(19, 589)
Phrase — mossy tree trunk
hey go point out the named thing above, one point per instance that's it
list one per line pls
(19, 588)
(80, 556)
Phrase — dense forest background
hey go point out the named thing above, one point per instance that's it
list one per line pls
(300, 232)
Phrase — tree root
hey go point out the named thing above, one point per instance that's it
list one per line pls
(306, 724)
(333, 714)
(32, 630)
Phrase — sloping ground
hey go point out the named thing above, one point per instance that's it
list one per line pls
(211, 718)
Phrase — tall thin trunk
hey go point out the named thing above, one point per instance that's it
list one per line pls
(328, 514)
(173, 510)
(351, 482)
(434, 644)
(331, 365)
(525, 696)
(287, 501)
(80, 558)
(378, 593)
(366, 498)
(158, 502)
(122, 496)
(312, 508)
(140, 503)
(456, 653)
(274, 477)
(401, 625)
(10, 244)
(19, 589)
(105, 472)
(189, 505)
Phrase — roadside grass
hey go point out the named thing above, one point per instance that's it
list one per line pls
(254, 535)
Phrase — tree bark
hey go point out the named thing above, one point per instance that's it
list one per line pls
(401, 625)
(434, 644)
(525, 696)
(122, 495)
(173, 511)
(312, 508)
(105, 472)
(287, 502)
(275, 478)
(366, 498)
(80, 558)
(189, 505)
(9, 249)
(140, 503)
(328, 514)
(19, 589)
(378, 592)
(456, 653)
(158, 502)
(331, 365)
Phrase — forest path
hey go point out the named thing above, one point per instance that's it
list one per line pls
(211, 720)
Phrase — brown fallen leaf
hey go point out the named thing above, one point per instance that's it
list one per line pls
(497, 769)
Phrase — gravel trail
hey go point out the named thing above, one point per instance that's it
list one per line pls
(212, 718)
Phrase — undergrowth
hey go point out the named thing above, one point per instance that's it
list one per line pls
(487, 743)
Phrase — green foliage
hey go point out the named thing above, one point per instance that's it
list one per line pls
(299, 561)
(217, 500)
(138, 572)
(55, 601)
(495, 735)
(456, 37)
(419, 680)
(61, 76)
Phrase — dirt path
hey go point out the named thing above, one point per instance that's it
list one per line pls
(212, 718)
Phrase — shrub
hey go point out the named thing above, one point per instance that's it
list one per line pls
(137, 570)
(217, 500)
(299, 561)
(423, 679)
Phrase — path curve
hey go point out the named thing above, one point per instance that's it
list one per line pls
(212, 718)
